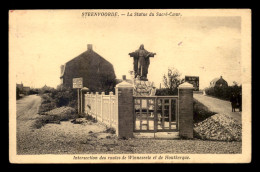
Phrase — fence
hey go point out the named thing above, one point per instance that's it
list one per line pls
(125, 112)
(155, 113)
(102, 107)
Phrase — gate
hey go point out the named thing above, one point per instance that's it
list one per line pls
(155, 114)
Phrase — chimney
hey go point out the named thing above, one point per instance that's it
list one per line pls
(124, 77)
(90, 47)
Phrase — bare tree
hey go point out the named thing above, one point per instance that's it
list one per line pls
(172, 80)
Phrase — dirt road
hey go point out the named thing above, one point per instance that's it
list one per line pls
(218, 106)
(26, 112)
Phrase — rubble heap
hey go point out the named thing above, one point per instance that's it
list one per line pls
(219, 127)
(62, 110)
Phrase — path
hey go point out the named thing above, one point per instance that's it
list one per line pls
(26, 111)
(218, 106)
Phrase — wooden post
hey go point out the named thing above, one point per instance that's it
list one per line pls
(96, 105)
(78, 102)
(81, 100)
(78, 84)
(110, 104)
(102, 95)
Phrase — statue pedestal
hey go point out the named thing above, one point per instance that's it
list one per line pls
(143, 88)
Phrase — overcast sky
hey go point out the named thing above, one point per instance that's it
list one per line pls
(207, 47)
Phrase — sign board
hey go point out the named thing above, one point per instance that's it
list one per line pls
(77, 82)
(194, 80)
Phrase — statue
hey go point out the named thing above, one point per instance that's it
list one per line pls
(141, 62)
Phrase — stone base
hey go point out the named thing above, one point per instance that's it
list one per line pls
(143, 88)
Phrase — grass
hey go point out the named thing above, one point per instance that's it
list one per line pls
(46, 106)
(55, 99)
(200, 112)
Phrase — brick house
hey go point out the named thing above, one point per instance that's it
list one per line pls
(22, 90)
(97, 73)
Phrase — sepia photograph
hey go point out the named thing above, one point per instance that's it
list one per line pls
(130, 86)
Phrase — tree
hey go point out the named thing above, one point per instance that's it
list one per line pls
(224, 92)
(107, 83)
(172, 80)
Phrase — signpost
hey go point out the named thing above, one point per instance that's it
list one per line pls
(194, 80)
(78, 84)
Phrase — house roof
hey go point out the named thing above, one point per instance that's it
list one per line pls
(63, 69)
(214, 81)
(89, 54)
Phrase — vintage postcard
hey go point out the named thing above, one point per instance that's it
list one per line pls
(130, 86)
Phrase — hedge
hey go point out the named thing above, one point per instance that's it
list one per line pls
(224, 92)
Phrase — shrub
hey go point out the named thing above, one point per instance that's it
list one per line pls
(65, 98)
(165, 92)
(46, 119)
(39, 123)
(58, 98)
(46, 106)
(91, 118)
(55, 116)
(223, 92)
(33, 91)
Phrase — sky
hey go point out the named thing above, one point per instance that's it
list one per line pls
(41, 41)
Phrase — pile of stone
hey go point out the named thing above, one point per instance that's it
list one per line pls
(219, 127)
(62, 110)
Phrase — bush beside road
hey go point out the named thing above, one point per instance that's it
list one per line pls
(57, 98)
